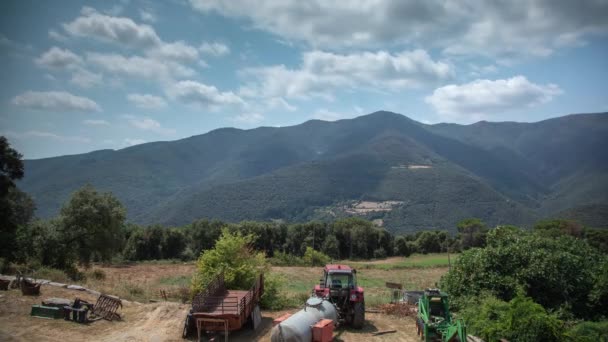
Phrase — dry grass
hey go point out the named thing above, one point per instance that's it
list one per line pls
(142, 282)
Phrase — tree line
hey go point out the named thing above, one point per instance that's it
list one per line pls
(91, 227)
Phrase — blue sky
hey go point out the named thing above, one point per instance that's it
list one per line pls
(81, 76)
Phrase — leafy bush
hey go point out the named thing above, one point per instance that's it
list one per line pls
(315, 258)
(558, 273)
(588, 332)
(517, 320)
(380, 253)
(273, 298)
(234, 256)
(286, 259)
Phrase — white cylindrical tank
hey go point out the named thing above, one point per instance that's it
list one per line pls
(297, 327)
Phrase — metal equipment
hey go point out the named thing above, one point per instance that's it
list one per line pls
(434, 321)
(298, 327)
(339, 286)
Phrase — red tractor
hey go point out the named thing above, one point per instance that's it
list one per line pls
(339, 285)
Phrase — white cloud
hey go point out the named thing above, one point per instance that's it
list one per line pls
(92, 24)
(482, 98)
(57, 36)
(132, 142)
(214, 49)
(280, 103)
(137, 66)
(46, 135)
(97, 122)
(203, 95)
(86, 79)
(126, 32)
(327, 115)
(151, 125)
(57, 58)
(249, 118)
(57, 101)
(473, 27)
(147, 101)
(177, 50)
(147, 15)
(322, 73)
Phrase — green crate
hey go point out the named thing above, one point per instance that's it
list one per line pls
(46, 312)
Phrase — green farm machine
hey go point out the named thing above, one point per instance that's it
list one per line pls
(434, 321)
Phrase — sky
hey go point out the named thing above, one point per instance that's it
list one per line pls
(79, 76)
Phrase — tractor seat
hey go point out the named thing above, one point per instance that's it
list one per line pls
(336, 283)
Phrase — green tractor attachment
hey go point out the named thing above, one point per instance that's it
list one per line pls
(434, 321)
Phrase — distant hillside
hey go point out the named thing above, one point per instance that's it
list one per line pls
(504, 173)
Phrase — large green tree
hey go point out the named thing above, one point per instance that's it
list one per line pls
(16, 207)
(472, 233)
(92, 224)
(561, 273)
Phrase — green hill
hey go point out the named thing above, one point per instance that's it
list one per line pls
(504, 173)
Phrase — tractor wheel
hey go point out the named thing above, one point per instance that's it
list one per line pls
(359, 315)
(418, 332)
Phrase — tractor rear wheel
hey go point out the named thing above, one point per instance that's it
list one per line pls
(359, 315)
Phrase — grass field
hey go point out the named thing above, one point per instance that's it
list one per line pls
(142, 282)
(301, 280)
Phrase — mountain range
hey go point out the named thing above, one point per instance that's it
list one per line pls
(421, 176)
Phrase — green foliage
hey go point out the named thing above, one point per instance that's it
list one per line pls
(16, 207)
(555, 228)
(234, 256)
(472, 233)
(430, 241)
(92, 224)
(286, 259)
(520, 319)
(597, 238)
(331, 247)
(558, 273)
(315, 258)
(44, 243)
(588, 332)
(599, 294)
(273, 298)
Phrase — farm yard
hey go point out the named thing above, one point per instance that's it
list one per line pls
(146, 316)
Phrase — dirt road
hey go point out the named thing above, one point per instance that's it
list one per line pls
(154, 322)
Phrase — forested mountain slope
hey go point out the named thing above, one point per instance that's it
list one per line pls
(436, 174)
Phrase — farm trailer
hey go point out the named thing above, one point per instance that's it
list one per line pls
(217, 309)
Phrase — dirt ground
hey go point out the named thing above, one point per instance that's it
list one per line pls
(155, 322)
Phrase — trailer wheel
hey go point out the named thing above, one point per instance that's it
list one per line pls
(359, 315)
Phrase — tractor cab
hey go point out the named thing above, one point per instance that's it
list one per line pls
(338, 281)
(339, 285)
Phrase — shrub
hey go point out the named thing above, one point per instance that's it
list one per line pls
(273, 298)
(234, 256)
(517, 320)
(556, 273)
(286, 259)
(315, 258)
(380, 253)
(588, 332)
